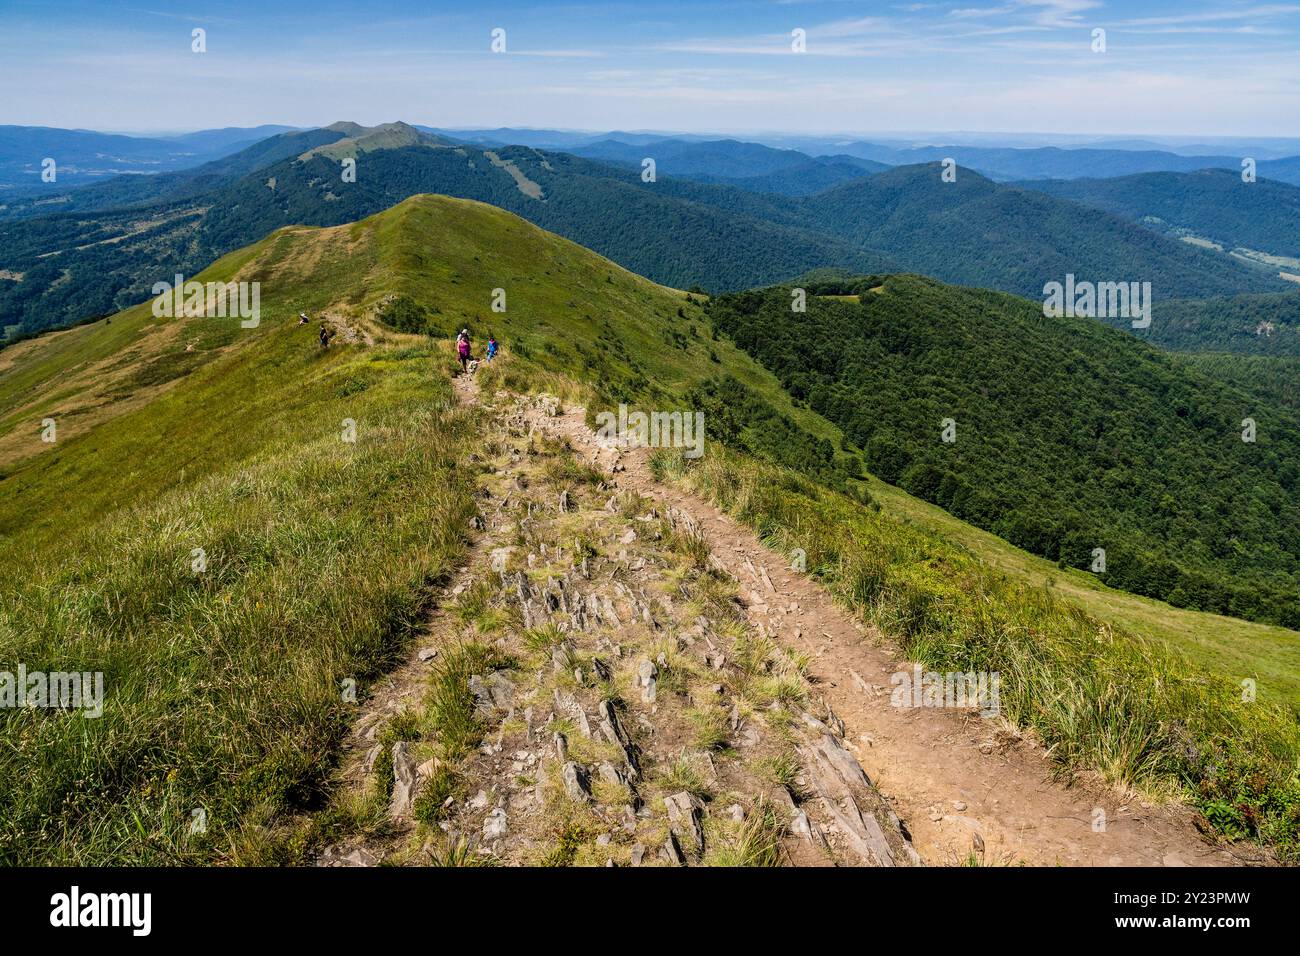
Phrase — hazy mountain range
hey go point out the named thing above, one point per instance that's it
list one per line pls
(720, 214)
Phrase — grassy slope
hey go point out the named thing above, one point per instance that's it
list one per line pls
(1226, 646)
(223, 688)
(565, 304)
(243, 452)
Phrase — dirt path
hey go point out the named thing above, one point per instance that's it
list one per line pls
(960, 784)
(966, 789)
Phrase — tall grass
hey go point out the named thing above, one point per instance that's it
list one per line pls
(226, 690)
(1117, 703)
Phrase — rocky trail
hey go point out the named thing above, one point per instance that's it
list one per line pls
(663, 689)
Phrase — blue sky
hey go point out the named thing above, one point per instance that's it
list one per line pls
(1192, 67)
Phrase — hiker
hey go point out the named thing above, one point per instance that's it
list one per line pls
(492, 348)
(462, 349)
(324, 336)
(302, 318)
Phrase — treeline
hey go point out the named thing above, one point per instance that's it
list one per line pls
(1066, 438)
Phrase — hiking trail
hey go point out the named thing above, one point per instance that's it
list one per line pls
(943, 785)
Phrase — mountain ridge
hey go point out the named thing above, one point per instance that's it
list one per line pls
(238, 443)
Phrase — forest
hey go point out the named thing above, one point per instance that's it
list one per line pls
(1068, 438)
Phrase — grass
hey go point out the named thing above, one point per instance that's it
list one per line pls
(1228, 646)
(711, 729)
(684, 772)
(476, 607)
(570, 837)
(543, 638)
(784, 769)
(443, 785)
(225, 690)
(457, 852)
(452, 716)
(754, 841)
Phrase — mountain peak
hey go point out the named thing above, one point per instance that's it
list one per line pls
(365, 139)
(347, 128)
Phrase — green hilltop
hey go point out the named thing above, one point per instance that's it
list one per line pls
(194, 440)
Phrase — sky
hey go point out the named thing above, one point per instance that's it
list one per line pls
(1169, 67)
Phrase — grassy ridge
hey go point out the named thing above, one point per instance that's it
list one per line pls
(224, 688)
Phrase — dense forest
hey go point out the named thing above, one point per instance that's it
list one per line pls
(976, 232)
(1267, 324)
(1213, 204)
(1275, 381)
(1067, 436)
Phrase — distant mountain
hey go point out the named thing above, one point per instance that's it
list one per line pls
(124, 192)
(1212, 204)
(812, 177)
(537, 138)
(675, 157)
(229, 139)
(867, 166)
(731, 162)
(358, 140)
(110, 242)
(83, 156)
(1285, 170)
(976, 232)
(1276, 159)
(1051, 162)
(62, 269)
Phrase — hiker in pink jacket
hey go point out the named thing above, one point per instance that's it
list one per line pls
(462, 349)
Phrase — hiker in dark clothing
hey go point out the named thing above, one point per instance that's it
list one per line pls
(324, 336)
